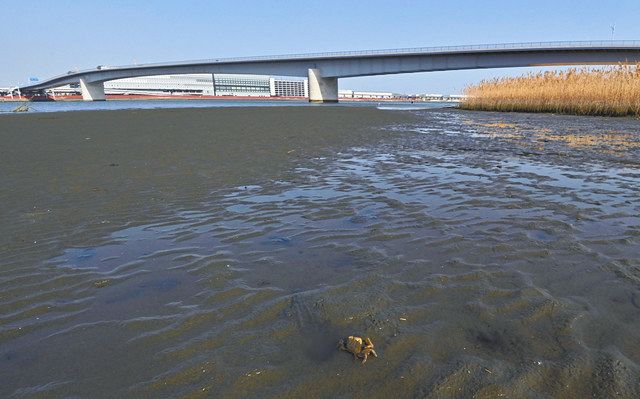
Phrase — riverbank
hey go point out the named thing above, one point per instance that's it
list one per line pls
(605, 92)
(149, 97)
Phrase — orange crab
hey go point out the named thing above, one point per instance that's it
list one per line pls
(359, 348)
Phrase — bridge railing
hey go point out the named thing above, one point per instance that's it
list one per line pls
(437, 49)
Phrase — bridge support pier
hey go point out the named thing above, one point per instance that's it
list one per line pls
(322, 90)
(92, 91)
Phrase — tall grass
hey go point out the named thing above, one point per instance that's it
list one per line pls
(612, 91)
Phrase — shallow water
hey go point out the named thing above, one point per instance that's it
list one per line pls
(485, 254)
(113, 105)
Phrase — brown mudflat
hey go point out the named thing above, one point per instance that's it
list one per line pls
(223, 252)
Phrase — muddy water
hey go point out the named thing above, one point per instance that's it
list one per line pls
(485, 254)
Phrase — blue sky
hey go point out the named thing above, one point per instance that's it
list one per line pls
(45, 38)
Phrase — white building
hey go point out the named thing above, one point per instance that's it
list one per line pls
(241, 85)
(457, 97)
(210, 85)
(163, 84)
(284, 87)
(201, 85)
(441, 97)
(364, 94)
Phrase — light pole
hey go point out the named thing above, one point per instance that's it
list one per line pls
(613, 32)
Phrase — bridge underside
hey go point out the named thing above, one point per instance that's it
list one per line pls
(324, 72)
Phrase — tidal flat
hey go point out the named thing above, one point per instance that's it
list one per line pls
(224, 252)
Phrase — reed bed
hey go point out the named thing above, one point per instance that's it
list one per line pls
(612, 91)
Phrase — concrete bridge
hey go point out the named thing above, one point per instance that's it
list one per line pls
(324, 69)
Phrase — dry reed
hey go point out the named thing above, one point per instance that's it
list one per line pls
(613, 91)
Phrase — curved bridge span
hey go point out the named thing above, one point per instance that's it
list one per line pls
(324, 69)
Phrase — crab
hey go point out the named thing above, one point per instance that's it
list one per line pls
(359, 348)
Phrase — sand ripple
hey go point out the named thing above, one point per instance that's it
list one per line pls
(486, 255)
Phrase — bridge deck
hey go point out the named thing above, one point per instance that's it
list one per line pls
(342, 64)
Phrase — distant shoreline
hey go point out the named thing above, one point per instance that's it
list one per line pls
(128, 97)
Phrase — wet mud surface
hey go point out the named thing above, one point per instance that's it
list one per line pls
(227, 251)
